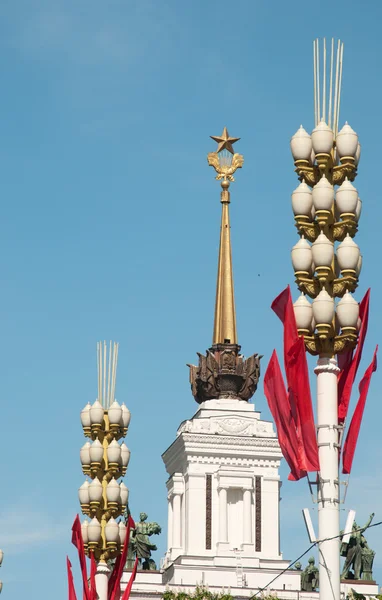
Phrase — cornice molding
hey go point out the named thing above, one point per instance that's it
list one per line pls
(216, 441)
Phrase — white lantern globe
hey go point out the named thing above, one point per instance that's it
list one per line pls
(115, 413)
(312, 157)
(346, 198)
(313, 325)
(122, 532)
(359, 266)
(303, 312)
(357, 157)
(348, 254)
(95, 490)
(347, 311)
(346, 141)
(85, 454)
(85, 416)
(113, 491)
(126, 416)
(1, 586)
(84, 531)
(94, 531)
(125, 455)
(322, 251)
(301, 255)
(114, 452)
(1, 557)
(301, 145)
(83, 493)
(96, 413)
(124, 492)
(96, 452)
(302, 200)
(323, 308)
(323, 195)
(322, 138)
(112, 531)
(358, 209)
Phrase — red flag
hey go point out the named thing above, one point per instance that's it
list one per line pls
(350, 366)
(79, 544)
(355, 424)
(71, 588)
(115, 578)
(126, 593)
(279, 406)
(299, 394)
(296, 369)
(93, 570)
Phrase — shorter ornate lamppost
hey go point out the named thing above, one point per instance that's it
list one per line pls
(104, 462)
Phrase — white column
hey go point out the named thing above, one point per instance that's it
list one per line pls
(169, 523)
(176, 527)
(102, 580)
(328, 491)
(247, 521)
(223, 534)
(194, 500)
(270, 506)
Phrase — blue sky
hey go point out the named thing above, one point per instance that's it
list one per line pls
(109, 230)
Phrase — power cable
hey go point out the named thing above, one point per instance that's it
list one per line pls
(306, 552)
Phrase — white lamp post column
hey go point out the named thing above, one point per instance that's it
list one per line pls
(328, 492)
(102, 580)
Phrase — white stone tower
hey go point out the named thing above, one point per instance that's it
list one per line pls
(224, 486)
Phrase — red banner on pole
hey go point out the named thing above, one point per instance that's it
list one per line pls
(296, 369)
(115, 578)
(355, 424)
(79, 544)
(349, 362)
(279, 406)
(126, 593)
(93, 570)
(71, 589)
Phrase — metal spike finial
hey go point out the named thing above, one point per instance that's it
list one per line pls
(107, 361)
(327, 103)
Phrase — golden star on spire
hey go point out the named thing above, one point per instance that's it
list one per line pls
(225, 141)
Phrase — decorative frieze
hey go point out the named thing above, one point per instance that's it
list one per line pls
(229, 426)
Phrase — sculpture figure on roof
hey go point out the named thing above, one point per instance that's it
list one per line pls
(309, 577)
(140, 545)
(358, 555)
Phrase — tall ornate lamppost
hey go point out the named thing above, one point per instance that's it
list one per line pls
(327, 264)
(104, 461)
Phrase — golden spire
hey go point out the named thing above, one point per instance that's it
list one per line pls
(225, 162)
(224, 372)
